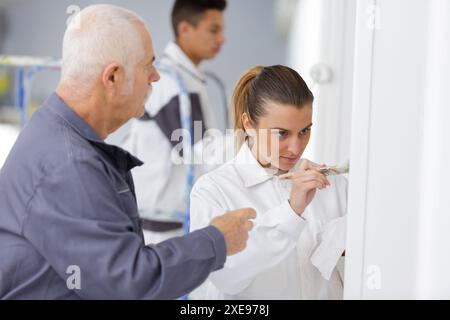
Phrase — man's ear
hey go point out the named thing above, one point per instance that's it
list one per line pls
(183, 28)
(112, 77)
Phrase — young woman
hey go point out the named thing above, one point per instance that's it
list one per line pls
(294, 250)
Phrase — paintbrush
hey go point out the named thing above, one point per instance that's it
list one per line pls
(328, 170)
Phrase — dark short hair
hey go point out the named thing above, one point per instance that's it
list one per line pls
(192, 11)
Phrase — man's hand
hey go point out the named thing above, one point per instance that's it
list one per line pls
(304, 184)
(235, 226)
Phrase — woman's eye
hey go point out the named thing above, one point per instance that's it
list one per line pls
(305, 131)
(281, 134)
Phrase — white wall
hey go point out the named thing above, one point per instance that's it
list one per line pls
(434, 238)
(321, 50)
(398, 230)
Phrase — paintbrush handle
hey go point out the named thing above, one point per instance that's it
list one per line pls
(325, 171)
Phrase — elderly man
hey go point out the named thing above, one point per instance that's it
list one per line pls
(69, 226)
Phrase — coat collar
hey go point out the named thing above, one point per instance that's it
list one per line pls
(249, 169)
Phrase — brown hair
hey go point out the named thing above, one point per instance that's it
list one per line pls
(259, 85)
(192, 11)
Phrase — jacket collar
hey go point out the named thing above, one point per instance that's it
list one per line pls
(57, 106)
(177, 56)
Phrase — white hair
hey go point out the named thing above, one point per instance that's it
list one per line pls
(97, 36)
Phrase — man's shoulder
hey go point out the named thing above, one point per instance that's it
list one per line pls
(48, 142)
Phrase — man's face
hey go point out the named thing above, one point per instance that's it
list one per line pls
(206, 39)
(144, 73)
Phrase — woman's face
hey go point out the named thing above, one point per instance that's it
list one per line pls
(281, 135)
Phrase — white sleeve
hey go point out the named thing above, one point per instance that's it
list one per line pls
(274, 235)
(331, 245)
(330, 238)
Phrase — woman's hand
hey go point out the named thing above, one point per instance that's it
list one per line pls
(304, 184)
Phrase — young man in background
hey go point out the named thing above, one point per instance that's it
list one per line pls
(161, 183)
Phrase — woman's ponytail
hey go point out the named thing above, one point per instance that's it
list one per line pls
(241, 101)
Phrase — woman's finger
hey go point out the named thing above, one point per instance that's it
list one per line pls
(312, 185)
(301, 183)
(310, 175)
(305, 165)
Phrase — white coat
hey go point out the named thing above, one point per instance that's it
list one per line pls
(287, 256)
